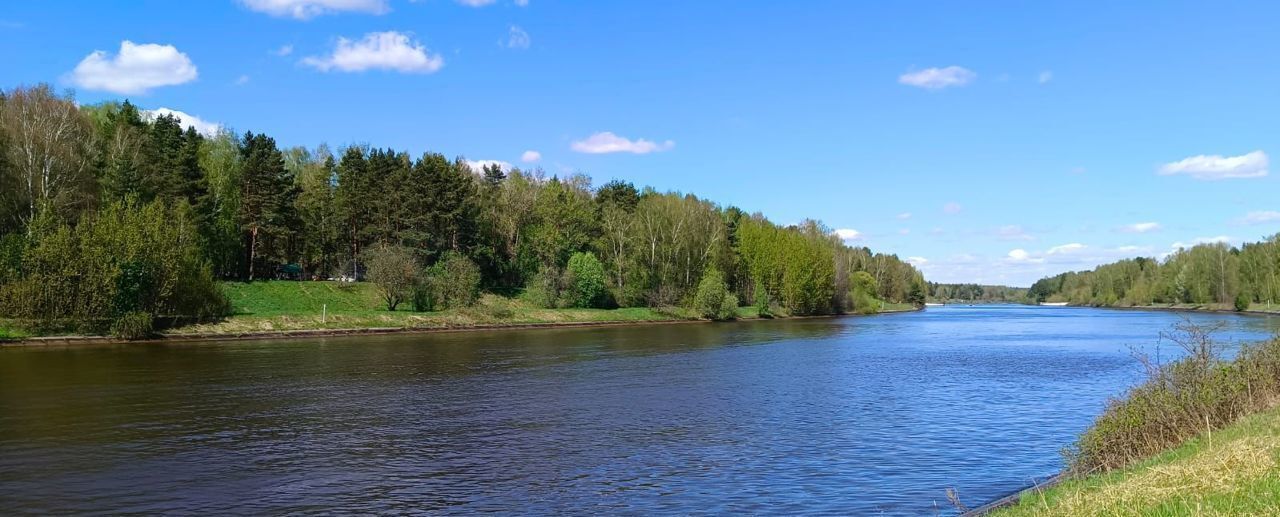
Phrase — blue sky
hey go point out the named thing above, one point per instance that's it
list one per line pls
(993, 143)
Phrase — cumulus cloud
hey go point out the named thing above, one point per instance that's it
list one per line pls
(1260, 217)
(938, 78)
(952, 208)
(1141, 227)
(378, 51)
(477, 166)
(607, 142)
(284, 50)
(847, 234)
(307, 9)
(204, 127)
(530, 156)
(517, 38)
(1217, 167)
(1020, 255)
(136, 69)
(917, 261)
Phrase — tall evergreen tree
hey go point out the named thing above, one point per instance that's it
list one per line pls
(267, 218)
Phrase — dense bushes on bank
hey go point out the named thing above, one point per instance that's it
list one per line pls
(118, 269)
(1180, 400)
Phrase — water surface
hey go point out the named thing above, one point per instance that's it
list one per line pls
(875, 415)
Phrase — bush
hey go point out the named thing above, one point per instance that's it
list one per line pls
(125, 259)
(1179, 401)
(1243, 300)
(133, 325)
(712, 300)
(395, 272)
(454, 281)
(543, 290)
(862, 293)
(585, 281)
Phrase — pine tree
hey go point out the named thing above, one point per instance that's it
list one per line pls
(267, 218)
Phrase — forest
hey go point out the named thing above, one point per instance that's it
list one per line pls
(114, 219)
(970, 293)
(1205, 274)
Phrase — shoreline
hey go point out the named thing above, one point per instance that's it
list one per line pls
(197, 337)
(1169, 308)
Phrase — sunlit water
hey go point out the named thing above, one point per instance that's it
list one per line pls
(874, 415)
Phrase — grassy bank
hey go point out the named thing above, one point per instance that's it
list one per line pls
(263, 307)
(1232, 471)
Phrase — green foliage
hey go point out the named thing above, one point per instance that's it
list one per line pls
(130, 259)
(712, 300)
(1180, 400)
(862, 291)
(543, 289)
(1242, 302)
(133, 325)
(585, 279)
(453, 282)
(395, 272)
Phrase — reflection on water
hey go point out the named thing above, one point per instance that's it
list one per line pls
(845, 415)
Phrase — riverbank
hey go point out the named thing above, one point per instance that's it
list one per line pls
(1256, 308)
(1233, 471)
(265, 310)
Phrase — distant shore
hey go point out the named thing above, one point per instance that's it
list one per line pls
(247, 327)
(1211, 308)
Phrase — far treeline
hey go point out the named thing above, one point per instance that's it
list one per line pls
(943, 293)
(1204, 274)
(112, 219)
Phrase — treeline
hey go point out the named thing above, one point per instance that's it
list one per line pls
(1214, 273)
(977, 293)
(246, 209)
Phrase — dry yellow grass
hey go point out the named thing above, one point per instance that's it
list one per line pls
(1232, 472)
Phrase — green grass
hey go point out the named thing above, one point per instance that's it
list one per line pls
(11, 333)
(1234, 471)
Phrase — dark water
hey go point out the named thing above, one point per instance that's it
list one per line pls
(849, 415)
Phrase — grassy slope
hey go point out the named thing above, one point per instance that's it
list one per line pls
(1235, 471)
(267, 306)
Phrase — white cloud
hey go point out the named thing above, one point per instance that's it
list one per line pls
(307, 9)
(476, 3)
(378, 51)
(1066, 248)
(477, 166)
(607, 142)
(1260, 217)
(1021, 255)
(952, 208)
(938, 78)
(917, 261)
(185, 119)
(1013, 232)
(284, 50)
(530, 156)
(517, 38)
(136, 69)
(904, 215)
(1141, 227)
(522, 3)
(1045, 76)
(847, 234)
(1217, 167)
(242, 80)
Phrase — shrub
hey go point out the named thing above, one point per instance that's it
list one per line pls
(454, 281)
(395, 272)
(763, 303)
(133, 325)
(585, 281)
(1242, 301)
(543, 290)
(862, 293)
(712, 300)
(1180, 400)
(125, 259)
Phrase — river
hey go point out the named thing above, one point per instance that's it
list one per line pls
(854, 415)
